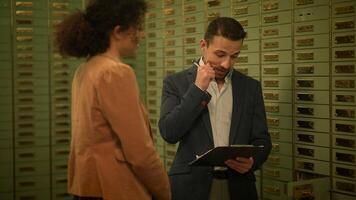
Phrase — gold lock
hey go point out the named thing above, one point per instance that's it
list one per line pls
(271, 172)
(272, 121)
(274, 134)
(271, 19)
(24, 30)
(346, 113)
(305, 138)
(151, 54)
(345, 172)
(305, 97)
(151, 15)
(271, 57)
(345, 39)
(170, 22)
(305, 42)
(273, 160)
(344, 69)
(151, 35)
(271, 70)
(270, 45)
(190, 51)
(272, 190)
(190, 40)
(344, 83)
(345, 157)
(60, 13)
(305, 29)
(305, 70)
(304, 2)
(305, 124)
(345, 98)
(347, 128)
(170, 52)
(305, 56)
(151, 44)
(152, 64)
(190, 30)
(345, 186)
(270, 96)
(344, 25)
(244, 22)
(270, 32)
(24, 47)
(170, 62)
(211, 16)
(270, 6)
(305, 83)
(170, 42)
(342, 142)
(24, 38)
(305, 110)
(25, 56)
(345, 54)
(213, 3)
(151, 25)
(57, 5)
(241, 10)
(305, 152)
(168, 11)
(25, 13)
(271, 83)
(168, 2)
(242, 59)
(170, 33)
(190, 19)
(244, 47)
(24, 4)
(303, 192)
(305, 165)
(272, 108)
(342, 10)
(190, 8)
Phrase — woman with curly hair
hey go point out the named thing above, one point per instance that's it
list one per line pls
(112, 153)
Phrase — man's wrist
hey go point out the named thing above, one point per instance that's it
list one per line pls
(200, 87)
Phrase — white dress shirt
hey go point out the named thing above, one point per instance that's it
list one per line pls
(220, 109)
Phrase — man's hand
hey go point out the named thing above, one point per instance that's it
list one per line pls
(241, 165)
(205, 73)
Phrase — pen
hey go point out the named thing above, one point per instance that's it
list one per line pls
(195, 63)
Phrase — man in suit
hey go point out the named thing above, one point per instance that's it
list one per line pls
(209, 105)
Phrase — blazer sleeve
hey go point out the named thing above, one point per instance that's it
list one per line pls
(260, 134)
(118, 98)
(180, 111)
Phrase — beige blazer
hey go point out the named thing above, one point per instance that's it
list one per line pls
(112, 153)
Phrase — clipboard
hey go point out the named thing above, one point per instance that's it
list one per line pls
(218, 155)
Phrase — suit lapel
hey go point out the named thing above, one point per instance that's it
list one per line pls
(238, 103)
(205, 113)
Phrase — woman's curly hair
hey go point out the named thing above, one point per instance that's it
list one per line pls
(86, 33)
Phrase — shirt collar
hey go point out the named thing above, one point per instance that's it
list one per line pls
(228, 75)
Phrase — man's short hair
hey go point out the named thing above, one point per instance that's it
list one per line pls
(226, 27)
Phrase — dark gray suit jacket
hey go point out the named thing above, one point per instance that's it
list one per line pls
(185, 119)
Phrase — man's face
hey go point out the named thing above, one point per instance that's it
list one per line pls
(221, 53)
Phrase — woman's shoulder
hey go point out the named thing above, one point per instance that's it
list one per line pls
(100, 66)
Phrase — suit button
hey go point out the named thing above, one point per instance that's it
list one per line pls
(203, 103)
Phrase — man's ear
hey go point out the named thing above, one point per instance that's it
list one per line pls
(203, 44)
(117, 32)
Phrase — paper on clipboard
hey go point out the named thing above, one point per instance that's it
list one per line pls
(218, 155)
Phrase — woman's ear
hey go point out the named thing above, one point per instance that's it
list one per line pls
(117, 32)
